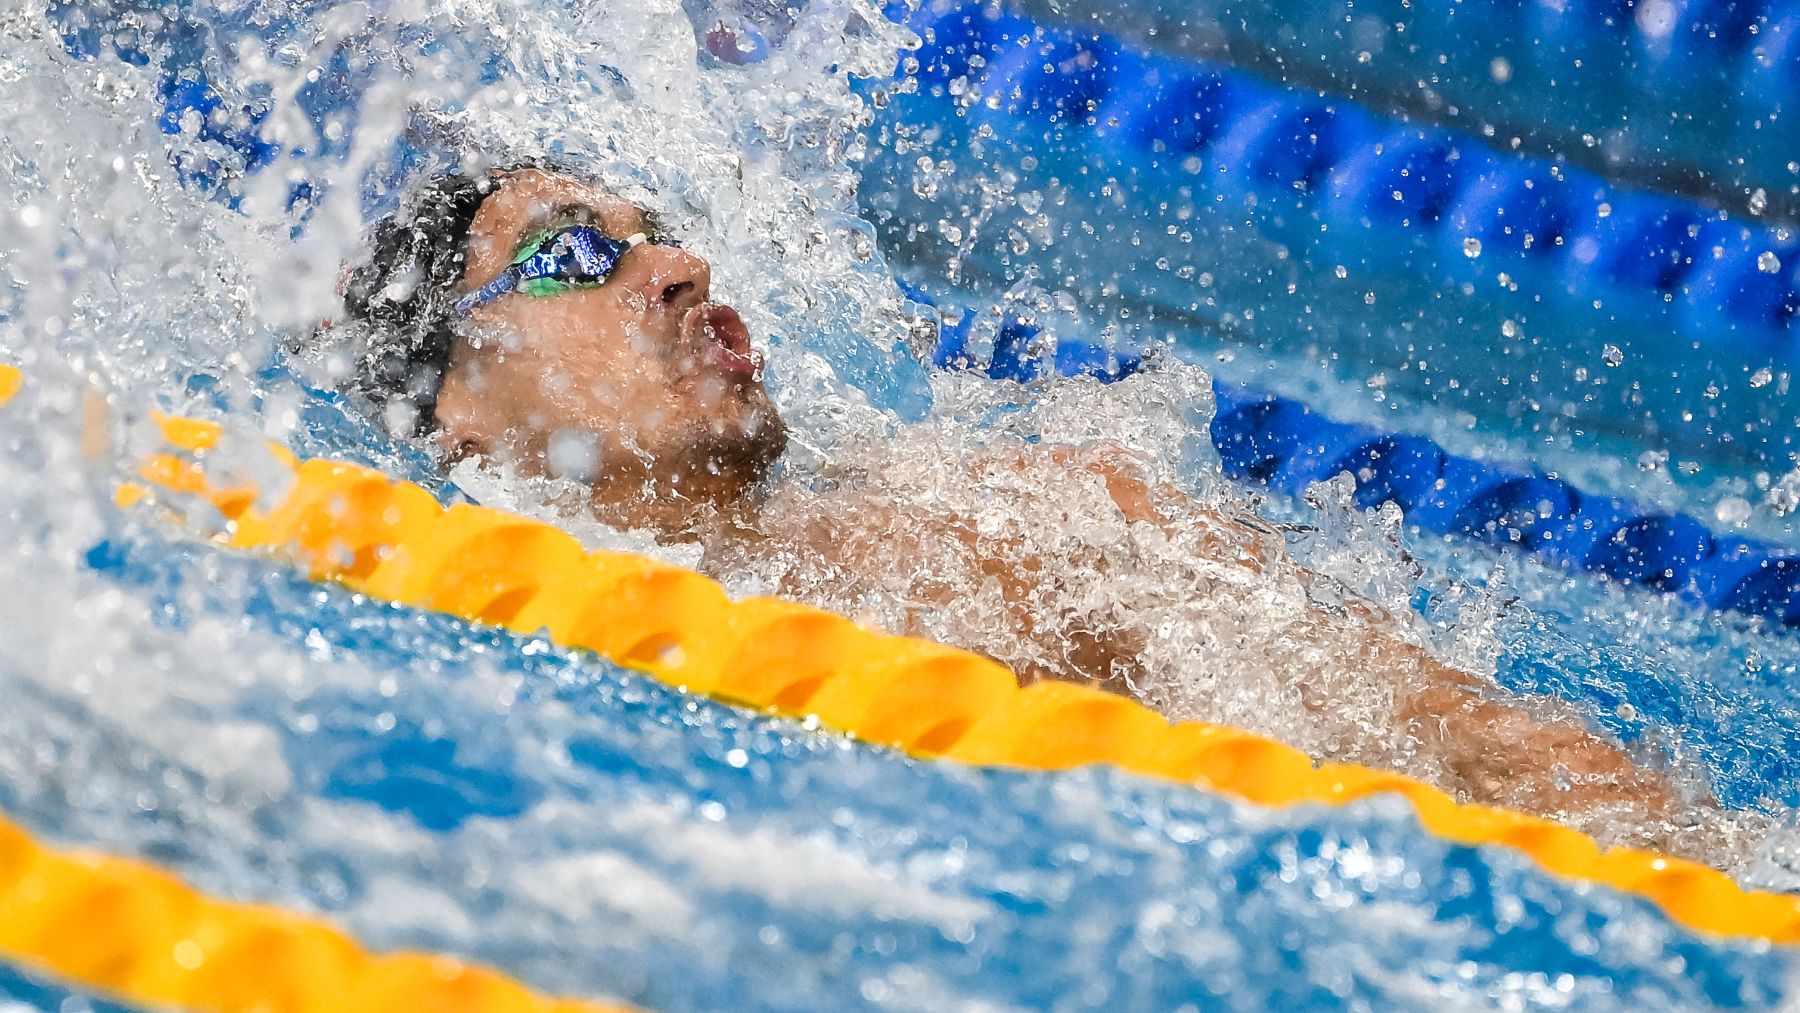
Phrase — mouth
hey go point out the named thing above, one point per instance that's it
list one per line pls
(720, 340)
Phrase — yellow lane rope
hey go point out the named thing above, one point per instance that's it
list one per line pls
(392, 540)
(145, 937)
(140, 934)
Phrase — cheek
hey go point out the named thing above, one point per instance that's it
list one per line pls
(584, 360)
(596, 320)
(568, 348)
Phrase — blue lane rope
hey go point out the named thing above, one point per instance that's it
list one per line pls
(1022, 351)
(1285, 444)
(1354, 172)
(1623, 74)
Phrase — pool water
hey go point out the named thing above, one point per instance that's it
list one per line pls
(596, 831)
(430, 784)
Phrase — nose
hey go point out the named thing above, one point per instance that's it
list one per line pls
(676, 278)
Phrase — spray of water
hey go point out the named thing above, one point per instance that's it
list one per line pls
(125, 285)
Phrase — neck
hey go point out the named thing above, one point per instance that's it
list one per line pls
(685, 505)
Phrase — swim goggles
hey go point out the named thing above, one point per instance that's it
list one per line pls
(576, 256)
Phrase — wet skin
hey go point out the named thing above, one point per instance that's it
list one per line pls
(649, 392)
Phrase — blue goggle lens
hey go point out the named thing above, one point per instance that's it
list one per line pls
(579, 256)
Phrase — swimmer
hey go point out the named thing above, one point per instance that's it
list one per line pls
(532, 319)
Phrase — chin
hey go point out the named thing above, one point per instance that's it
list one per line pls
(762, 437)
(749, 445)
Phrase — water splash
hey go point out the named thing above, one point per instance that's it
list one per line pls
(127, 285)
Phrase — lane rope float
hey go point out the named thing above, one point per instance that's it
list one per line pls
(139, 933)
(1362, 173)
(144, 936)
(392, 540)
(1287, 445)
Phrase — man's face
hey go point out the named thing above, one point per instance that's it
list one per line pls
(642, 376)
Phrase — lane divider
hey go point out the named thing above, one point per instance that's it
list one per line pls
(390, 539)
(146, 937)
(141, 934)
(1282, 442)
(1336, 173)
(1286, 444)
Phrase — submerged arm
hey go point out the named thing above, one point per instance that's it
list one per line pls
(1007, 583)
(1497, 752)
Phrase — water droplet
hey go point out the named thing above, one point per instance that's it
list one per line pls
(1784, 495)
(1768, 262)
(188, 955)
(1656, 18)
(574, 454)
(1611, 354)
(1761, 377)
(1732, 510)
